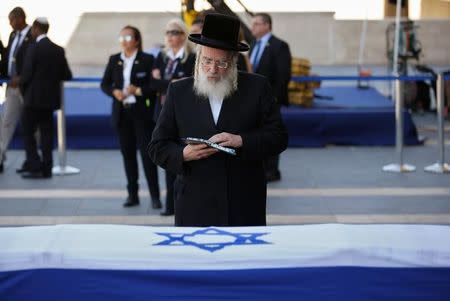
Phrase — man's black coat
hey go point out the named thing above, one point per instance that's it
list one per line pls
(221, 190)
(45, 68)
(275, 64)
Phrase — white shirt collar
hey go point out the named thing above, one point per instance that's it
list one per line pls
(178, 55)
(216, 105)
(265, 38)
(40, 37)
(24, 31)
(131, 58)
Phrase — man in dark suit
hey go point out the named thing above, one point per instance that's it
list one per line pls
(271, 57)
(230, 108)
(11, 68)
(2, 56)
(45, 68)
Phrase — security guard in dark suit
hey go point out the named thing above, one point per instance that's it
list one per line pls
(45, 67)
(127, 80)
(271, 57)
(2, 54)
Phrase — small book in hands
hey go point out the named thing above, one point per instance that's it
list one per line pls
(190, 140)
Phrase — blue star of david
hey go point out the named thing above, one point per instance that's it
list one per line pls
(237, 239)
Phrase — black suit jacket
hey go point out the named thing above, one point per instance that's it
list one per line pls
(184, 69)
(20, 54)
(275, 64)
(45, 68)
(140, 77)
(221, 190)
(2, 57)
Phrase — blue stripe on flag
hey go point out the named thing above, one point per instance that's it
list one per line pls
(329, 283)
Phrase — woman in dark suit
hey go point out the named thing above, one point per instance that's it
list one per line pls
(174, 62)
(127, 80)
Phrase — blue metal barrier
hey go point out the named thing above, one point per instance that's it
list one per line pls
(372, 78)
(306, 78)
(401, 167)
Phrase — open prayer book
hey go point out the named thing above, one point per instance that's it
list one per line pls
(190, 140)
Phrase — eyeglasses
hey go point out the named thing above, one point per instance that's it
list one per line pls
(209, 62)
(126, 38)
(174, 32)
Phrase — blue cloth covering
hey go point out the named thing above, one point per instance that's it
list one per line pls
(312, 284)
(353, 117)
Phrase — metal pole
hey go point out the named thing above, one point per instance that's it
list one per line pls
(440, 166)
(398, 10)
(362, 43)
(399, 121)
(397, 37)
(400, 166)
(62, 169)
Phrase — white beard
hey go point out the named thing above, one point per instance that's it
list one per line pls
(220, 89)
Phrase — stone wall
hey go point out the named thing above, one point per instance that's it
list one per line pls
(316, 36)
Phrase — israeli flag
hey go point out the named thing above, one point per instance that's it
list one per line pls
(309, 262)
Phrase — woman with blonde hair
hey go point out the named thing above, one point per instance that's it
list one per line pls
(175, 61)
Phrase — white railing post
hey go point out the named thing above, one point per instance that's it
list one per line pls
(399, 166)
(440, 166)
(62, 169)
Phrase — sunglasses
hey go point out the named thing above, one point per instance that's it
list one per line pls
(126, 38)
(174, 32)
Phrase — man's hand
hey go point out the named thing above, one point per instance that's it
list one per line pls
(156, 74)
(131, 89)
(197, 151)
(118, 94)
(227, 139)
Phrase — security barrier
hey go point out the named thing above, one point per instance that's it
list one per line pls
(399, 166)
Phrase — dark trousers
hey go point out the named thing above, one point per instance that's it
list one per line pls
(136, 134)
(271, 164)
(42, 119)
(170, 202)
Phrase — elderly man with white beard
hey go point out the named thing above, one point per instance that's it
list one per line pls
(232, 109)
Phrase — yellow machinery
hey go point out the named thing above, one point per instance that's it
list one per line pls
(188, 12)
(299, 93)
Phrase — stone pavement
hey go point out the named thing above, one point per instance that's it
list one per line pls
(342, 184)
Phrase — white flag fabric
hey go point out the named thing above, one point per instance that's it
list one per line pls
(316, 262)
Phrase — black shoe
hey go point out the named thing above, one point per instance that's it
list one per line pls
(23, 168)
(156, 204)
(131, 201)
(167, 213)
(273, 176)
(1, 167)
(36, 175)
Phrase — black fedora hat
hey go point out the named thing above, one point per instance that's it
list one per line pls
(220, 31)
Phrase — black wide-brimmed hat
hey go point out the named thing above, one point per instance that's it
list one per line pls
(220, 31)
